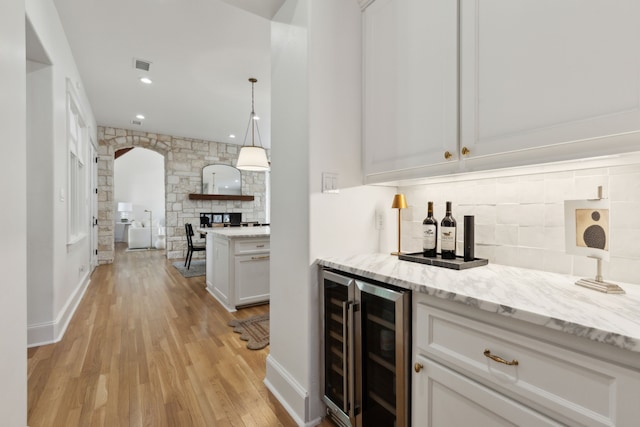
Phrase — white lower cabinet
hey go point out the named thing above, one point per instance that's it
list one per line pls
(251, 278)
(470, 370)
(445, 398)
(238, 270)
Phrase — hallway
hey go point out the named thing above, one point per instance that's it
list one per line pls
(147, 347)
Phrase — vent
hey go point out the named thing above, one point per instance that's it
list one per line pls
(142, 65)
(136, 122)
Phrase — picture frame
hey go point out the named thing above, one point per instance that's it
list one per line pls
(587, 229)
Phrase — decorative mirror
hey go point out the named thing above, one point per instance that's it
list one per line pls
(221, 179)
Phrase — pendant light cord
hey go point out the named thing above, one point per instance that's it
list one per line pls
(252, 124)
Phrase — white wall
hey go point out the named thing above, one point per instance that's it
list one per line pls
(138, 177)
(71, 262)
(316, 86)
(288, 361)
(13, 246)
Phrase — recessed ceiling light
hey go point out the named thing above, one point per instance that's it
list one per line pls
(146, 80)
(139, 116)
(232, 136)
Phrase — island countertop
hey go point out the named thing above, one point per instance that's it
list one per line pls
(238, 232)
(547, 299)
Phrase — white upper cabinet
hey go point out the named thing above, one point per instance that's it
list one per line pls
(497, 83)
(546, 72)
(410, 84)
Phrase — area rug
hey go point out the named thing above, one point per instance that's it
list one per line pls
(255, 330)
(198, 268)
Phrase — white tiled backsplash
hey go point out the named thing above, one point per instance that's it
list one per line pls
(520, 219)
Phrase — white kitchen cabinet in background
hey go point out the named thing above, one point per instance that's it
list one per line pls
(238, 267)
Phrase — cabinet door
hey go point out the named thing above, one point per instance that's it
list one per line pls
(251, 278)
(445, 398)
(221, 269)
(410, 85)
(539, 73)
(210, 253)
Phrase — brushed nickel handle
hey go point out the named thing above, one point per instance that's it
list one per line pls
(259, 246)
(487, 353)
(465, 151)
(447, 155)
(418, 367)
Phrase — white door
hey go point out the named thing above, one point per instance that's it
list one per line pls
(93, 201)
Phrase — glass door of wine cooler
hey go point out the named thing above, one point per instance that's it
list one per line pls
(338, 297)
(385, 351)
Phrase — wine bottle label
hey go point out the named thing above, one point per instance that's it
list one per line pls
(448, 242)
(428, 236)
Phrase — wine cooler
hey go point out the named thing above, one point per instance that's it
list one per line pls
(367, 351)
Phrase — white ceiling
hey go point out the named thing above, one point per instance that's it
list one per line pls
(202, 53)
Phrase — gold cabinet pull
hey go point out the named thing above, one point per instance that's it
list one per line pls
(447, 155)
(487, 353)
(465, 151)
(260, 257)
(418, 367)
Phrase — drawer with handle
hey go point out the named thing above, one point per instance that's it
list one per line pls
(252, 246)
(566, 384)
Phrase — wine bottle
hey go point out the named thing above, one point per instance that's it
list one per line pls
(429, 233)
(448, 235)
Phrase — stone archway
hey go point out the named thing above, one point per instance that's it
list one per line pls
(109, 141)
(184, 159)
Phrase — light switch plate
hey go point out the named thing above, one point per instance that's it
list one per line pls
(330, 182)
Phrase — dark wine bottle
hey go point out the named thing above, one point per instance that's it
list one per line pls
(448, 235)
(429, 233)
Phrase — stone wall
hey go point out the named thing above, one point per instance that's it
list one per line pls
(184, 159)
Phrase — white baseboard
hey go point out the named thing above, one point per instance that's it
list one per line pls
(291, 395)
(51, 332)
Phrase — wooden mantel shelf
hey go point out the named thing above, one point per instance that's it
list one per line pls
(220, 197)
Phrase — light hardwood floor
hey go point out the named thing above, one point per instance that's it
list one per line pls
(147, 347)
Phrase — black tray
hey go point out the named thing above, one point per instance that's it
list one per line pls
(456, 264)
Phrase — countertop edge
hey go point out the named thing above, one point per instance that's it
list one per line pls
(554, 321)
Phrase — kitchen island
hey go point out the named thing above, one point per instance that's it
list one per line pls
(509, 344)
(237, 272)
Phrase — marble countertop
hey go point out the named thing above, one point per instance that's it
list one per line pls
(238, 232)
(538, 297)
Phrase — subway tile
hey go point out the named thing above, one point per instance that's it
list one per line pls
(532, 237)
(623, 270)
(554, 238)
(625, 215)
(625, 243)
(485, 233)
(558, 190)
(507, 214)
(529, 258)
(556, 262)
(554, 215)
(507, 190)
(624, 187)
(531, 215)
(531, 191)
(506, 234)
